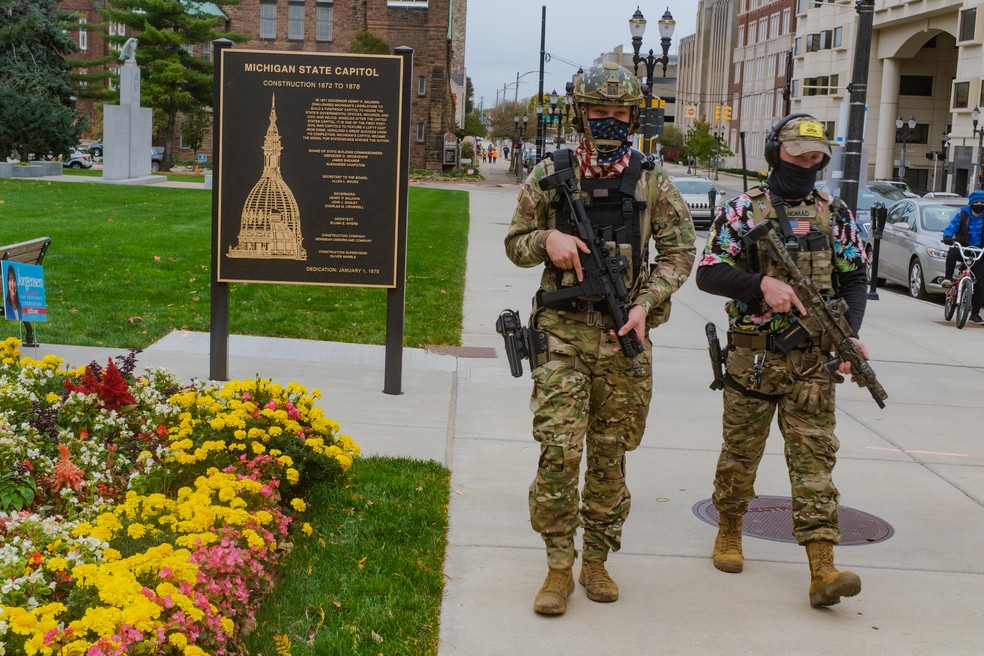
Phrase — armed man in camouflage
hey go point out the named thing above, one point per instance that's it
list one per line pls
(587, 394)
(771, 364)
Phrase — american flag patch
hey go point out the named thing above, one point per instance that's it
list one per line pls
(800, 228)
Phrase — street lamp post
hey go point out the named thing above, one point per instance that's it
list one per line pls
(518, 149)
(905, 136)
(550, 114)
(637, 27)
(945, 145)
(979, 133)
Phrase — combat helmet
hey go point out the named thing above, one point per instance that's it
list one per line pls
(605, 84)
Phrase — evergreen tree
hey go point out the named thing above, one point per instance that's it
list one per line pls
(37, 113)
(173, 79)
(367, 43)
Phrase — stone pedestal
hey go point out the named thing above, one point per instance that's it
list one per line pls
(126, 131)
(5, 169)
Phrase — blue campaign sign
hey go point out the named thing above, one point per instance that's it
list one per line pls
(203, 158)
(23, 292)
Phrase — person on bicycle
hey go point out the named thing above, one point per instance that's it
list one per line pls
(967, 229)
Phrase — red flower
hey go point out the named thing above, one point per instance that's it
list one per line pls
(67, 473)
(112, 390)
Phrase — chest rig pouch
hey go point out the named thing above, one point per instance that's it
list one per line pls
(615, 215)
(812, 251)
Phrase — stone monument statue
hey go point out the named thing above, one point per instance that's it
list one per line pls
(127, 126)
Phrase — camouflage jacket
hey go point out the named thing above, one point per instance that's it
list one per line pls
(666, 220)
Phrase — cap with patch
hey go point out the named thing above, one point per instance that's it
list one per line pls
(804, 135)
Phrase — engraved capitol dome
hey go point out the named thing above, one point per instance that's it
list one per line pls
(270, 226)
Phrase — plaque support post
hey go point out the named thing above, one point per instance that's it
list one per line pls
(219, 293)
(396, 297)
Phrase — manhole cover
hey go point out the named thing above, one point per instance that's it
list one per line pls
(771, 518)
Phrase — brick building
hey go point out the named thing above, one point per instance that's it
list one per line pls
(435, 29)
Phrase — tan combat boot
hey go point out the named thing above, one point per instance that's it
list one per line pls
(828, 585)
(596, 581)
(553, 594)
(727, 544)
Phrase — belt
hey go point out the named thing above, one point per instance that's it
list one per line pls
(760, 342)
(577, 305)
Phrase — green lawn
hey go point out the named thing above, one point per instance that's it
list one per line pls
(128, 264)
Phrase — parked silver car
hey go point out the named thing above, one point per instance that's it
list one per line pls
(694, 191)
(911, 252)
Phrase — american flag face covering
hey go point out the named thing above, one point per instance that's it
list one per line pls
(609, 128)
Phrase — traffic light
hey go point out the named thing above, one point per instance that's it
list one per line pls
(727, 112)
(717, 113)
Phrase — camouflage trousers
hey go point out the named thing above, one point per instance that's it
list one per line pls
(585, 398)
(806, 420)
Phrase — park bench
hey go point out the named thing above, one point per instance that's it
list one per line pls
(27, 252)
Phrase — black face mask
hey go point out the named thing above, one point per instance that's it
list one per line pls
(792, 182)
(977, 208)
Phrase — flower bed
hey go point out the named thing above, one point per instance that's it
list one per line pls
(141, 517)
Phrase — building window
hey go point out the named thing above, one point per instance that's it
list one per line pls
(741, 36)
(207, 50)
(798, 46)
(961, 95)
(83, 35)
(422, 4)
(421, 85)
(801, 6)
(916, 85)
(323, 21)
(968, 24)
(420, 133)
(796, 89)
(785, 21)
(268, 20)
(295, 21)
(823, 85)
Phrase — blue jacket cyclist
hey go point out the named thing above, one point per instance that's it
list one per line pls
(967, 229)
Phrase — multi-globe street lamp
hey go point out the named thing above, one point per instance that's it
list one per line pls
(975, 117)
(520, 123)
(637, 27)
(904, 136)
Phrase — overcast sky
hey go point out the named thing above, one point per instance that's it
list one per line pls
(503, 39)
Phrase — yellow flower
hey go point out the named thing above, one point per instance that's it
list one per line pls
(306, 529)
(179, 640)
(111, 555)
(298, 504)
(227, 625)
(258, 448)
(136, 531)
(56, 565)
(293, 476)
(21, 621)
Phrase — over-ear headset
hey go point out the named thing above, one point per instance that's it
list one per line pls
(772, 140)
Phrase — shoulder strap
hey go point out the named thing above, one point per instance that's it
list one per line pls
(632, 173)
(562, 159)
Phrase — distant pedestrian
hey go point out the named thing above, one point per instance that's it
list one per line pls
(505, 152)
(495, 155)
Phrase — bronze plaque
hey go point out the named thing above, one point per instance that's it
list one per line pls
(309, 168)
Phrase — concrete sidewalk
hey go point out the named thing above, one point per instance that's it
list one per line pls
(918, 465)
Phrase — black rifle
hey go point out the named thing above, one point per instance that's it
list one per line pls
(602, 271)
(823, 316)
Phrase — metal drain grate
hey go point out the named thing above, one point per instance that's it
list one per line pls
(771, 518)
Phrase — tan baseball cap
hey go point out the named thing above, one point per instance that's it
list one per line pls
(804, 135)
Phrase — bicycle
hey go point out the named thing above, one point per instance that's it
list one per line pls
(959, 296)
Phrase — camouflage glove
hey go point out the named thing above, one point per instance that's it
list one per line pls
(808, 395)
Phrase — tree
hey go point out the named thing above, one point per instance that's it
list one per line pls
(173, 79)
(367, 43)
(194, 125)
(671, 142)
(705, 147)
(37, 112)
(474, 125)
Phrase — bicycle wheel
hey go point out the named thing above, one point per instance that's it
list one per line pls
(964, 299)
(950, 304)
